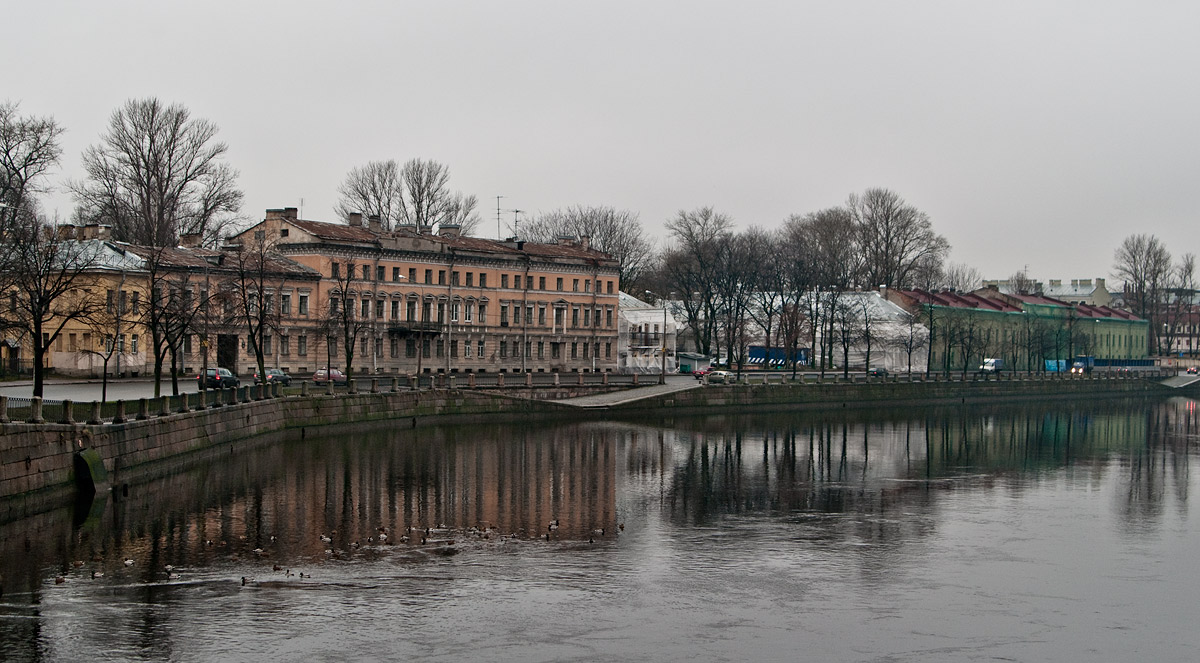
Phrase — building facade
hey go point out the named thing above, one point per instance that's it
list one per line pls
(415, 302)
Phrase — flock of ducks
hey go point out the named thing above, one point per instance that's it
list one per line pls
(414, 535)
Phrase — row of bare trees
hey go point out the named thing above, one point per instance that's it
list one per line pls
(790, 282)
(1157, 289)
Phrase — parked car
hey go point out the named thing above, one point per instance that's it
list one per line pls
(322, 376)
(276, 375)
(878, 372)
(701, 372)
(719, 376)
(1192, 370)
(217, 378)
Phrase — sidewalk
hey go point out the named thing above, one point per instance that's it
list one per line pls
(630, 395)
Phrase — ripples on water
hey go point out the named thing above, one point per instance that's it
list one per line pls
(993, 533)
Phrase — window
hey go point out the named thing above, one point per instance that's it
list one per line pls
(574, 285)
(441, 277)
(395, 273)
(410, 347)
(266, 345)
(441, 312)
(587, 285)
(285, 345)
(428, 276)
(503, 315)
(607, 317)
(470, 312)
(333, 306)
(379, 309)
(285, 304)
(528, 348)
(108, 305)
(283, 232)
(479, 349)
(441, 348)
(393, 347)
(558, 284)
(454, 278)
(335, 270)
(558, 317)
(379, 346)
(542, 315)
(379, 273)
(454, 349)
(541, 283)
(555, 350)
(529, 283)
(596, 350)
(395, 309)
(516, 314)
(574, 350)
(366, 273)
(541, 350)
(610, 287)
(585, 350)
(187, 343)
(269, 301)
(608, 350)
(425, 348)
(504, 280)
(412, 274)
(529, 314)
(503, 348)
(71, 346)
(482, 280)
(302, 346)
(366, 308)
(58, 343)
(136, 304)
(482, 313)
(425, 311)
(303, 304)
(411, 310)
(454, 312)
(470, 279)
(587, 317)
(574, 316)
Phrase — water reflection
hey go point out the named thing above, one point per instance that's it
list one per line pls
(384, 509)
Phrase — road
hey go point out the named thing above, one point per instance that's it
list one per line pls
(80, 391)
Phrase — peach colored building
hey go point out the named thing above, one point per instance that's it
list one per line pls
(443, 302)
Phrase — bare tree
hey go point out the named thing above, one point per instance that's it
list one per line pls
(373, 190)
(960, 278)
(49, 285)
(252, 287)
(1144, 264)
(343, 320)
(29, 148)
(691, 267)
(766, 273)
(1021, 284)
(911, 337)
(158, 173)
(895, 238)
(616, 232)
(416, 193)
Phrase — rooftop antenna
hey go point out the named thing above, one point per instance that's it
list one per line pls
(301, 215)
(499, 235)
(515, 213)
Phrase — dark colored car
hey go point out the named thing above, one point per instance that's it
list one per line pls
(217, 378)
(1192, 370)
(878, 372)
(276, 375)
(321, 377)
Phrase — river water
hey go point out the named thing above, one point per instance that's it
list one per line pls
(1046, 532)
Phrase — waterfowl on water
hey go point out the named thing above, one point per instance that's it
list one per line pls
(129, 562)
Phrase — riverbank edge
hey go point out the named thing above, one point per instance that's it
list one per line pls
(37, 461)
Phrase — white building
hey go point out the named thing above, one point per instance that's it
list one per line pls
(643, 331)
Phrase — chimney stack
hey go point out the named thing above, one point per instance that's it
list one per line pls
(374, 223)
(190, 240)
(355, 219)
(585, 242)
(449, 230)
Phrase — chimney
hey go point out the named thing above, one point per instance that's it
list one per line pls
(449, 230)
(585, 242)
(1099, 283)
(68, 231)
(190, 240)
(355, 219)
(373, 223)
(566, 240)
(284, 214)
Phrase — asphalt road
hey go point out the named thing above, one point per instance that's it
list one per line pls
(91, 391)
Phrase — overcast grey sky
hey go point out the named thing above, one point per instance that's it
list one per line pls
(1032, 133)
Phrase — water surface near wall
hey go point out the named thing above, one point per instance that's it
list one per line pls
(1024, 532)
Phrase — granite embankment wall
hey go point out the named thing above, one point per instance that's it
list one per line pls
(37, 461)
(891, 393)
